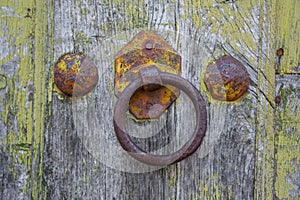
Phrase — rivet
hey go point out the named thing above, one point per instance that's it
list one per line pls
(75, 74)
(149, 45)
(280, 52)
(277, 100)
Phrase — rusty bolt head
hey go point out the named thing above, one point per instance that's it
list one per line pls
(227, 79)
(75, 74)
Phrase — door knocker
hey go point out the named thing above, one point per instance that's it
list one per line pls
(143, 68)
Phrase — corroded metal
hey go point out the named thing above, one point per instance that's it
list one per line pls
(147, 48)
(75, 74)
(151, 75)
(277, 100)
(280, 52)
(227, 79)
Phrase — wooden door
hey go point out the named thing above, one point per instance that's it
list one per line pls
(251, 148)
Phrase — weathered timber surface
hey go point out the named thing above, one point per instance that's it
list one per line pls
(25, 64)
(287, 137)
(54, 147)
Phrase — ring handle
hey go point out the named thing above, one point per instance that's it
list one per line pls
(151, 75)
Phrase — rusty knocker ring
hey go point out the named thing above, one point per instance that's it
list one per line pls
(151, 75)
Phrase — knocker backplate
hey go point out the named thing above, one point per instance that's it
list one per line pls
(146, 49)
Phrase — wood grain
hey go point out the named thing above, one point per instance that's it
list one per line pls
(225, 171)
(25, 37)
(287, 137)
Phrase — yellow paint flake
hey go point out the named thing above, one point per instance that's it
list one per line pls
(288, 34)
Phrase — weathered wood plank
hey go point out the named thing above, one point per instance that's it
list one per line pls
(16, 109)
(265, 133)
(228, 33)
(287, 185)
(43, 52)
(224, 168)
(288, 35)
(287, 113)
(24, 51)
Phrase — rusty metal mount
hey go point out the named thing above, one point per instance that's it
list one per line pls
(147, 49)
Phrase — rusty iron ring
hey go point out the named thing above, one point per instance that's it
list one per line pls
(188, 148)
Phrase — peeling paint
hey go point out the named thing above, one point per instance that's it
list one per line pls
(287, 183)
(22, 63)
(288, 34)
